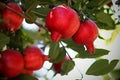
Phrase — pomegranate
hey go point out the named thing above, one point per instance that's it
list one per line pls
(12, 21)
(12, 63)
(86, 35)
(62, 22)
(57, 66)
(34, 58)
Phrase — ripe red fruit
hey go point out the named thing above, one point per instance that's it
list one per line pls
(12, 21)
(34, 58)
(12, 63)
(57, 66)
(86, 35)
(62, 22)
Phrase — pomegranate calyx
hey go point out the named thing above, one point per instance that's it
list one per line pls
(90, 47)
(55, 36)
(46, 58)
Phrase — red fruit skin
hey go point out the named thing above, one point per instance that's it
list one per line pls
(86, 34)
(62, 22)
(57, 66)
(0, 65)
(12, 21)
(12, 63)
(33, 58)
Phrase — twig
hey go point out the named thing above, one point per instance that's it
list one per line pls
(72, 59)
(22, 15)
(65, 50)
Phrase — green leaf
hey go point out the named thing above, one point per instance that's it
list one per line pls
(3, 78)
(22, 40)
(56, 53)
(101, 67)
(24, 77)
(96, 3)
(105, 21)
(61, 55)
(76, 47)
(116, 74)
(3, 40)
(98, 53)
(26, 4)
(41, 11)
(67, 66)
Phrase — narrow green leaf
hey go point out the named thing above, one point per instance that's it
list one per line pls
(101, 67)
(3, 40)
(76, 47)
(54, 51)
(105, 20)
(98, 53)
(96, 3)
(24, 77)
(67, 66)
(41, 11)
(116, 74)
(61, 55)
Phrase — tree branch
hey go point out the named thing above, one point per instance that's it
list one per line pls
(22, 15)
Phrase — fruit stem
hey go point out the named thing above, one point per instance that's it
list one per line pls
(22, 15)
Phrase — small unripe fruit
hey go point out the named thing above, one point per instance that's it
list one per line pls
(86, 34)
(11, 20)
(12, 63)
(62, 22)
(34, 58)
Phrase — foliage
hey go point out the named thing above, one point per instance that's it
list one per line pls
(36, 11)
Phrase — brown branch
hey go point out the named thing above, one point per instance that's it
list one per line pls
(22, 15)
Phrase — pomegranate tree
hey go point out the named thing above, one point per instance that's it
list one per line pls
(86, 34)
(62, 22)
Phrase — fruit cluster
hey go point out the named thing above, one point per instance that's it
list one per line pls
(13, 63)
(63, 22)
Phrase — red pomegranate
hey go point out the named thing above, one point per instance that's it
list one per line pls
(12, 21)
(34, 58)
(12, 63)
(87, 33)
(57, 66)
(62, 22)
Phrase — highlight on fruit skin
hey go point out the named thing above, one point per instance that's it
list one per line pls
(11, 20)
(86, 35)
(62, 21)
